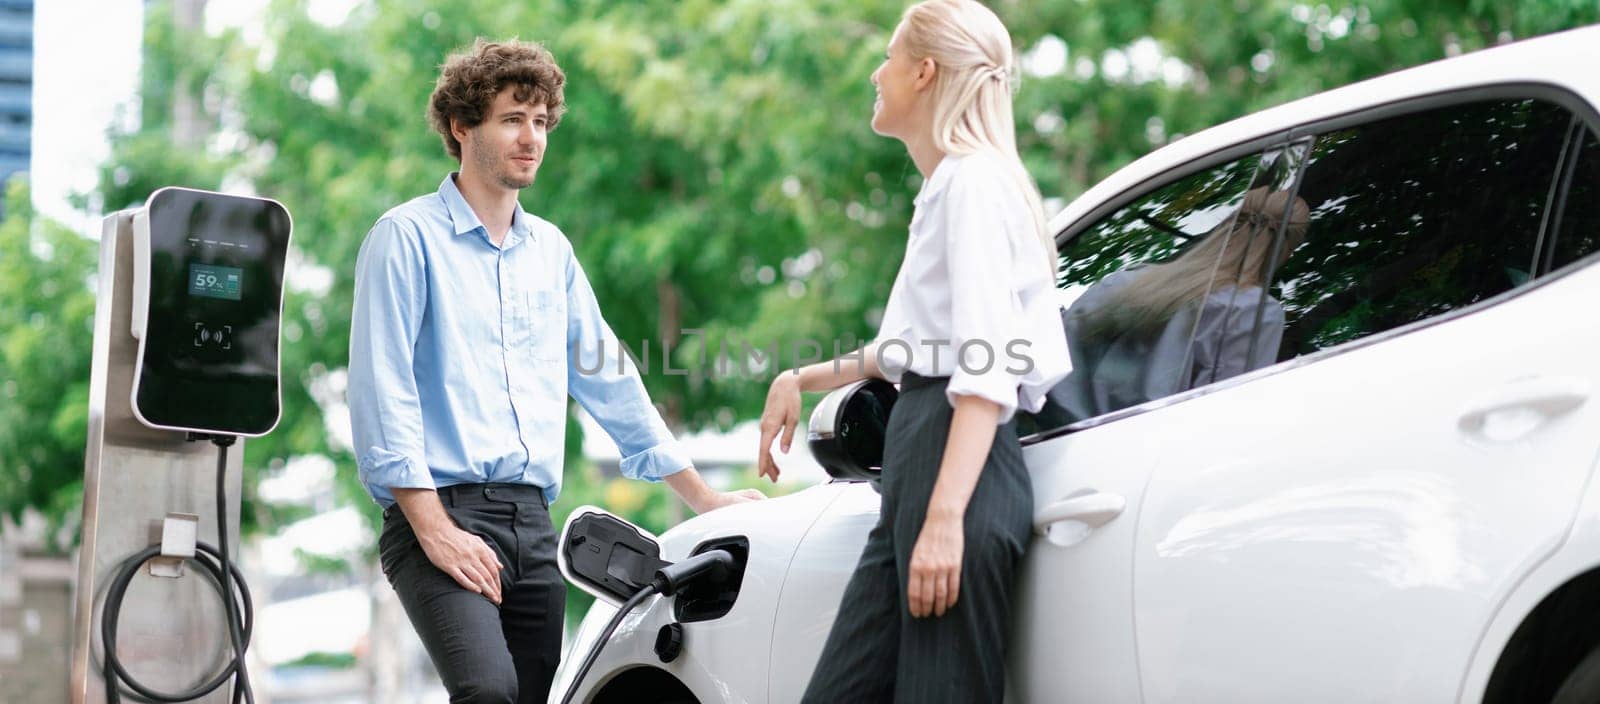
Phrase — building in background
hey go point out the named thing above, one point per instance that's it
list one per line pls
(16, 86)
(35, 589)
(36, 593)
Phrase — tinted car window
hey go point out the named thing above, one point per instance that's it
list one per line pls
(1166, 291)
(1418, 215)
(1577, 233)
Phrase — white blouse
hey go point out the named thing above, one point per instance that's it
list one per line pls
(974, 283)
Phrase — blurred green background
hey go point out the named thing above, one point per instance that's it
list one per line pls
(715, 171)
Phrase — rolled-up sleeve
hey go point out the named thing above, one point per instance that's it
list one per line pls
(605, 381)
(385, 414)
(985, 308)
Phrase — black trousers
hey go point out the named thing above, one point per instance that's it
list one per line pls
(483, 652)
(876, 651)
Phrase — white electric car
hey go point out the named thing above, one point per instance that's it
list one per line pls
(1354, 468)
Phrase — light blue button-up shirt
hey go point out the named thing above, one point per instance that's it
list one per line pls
(460, 356)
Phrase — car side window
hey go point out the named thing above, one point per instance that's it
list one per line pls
(1166, 291)
(1577, 234)
(1418, 215)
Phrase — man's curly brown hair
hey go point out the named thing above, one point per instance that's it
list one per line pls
(471, 79)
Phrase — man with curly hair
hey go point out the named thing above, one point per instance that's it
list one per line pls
(470, 321)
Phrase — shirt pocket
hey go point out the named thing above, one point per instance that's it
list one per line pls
(546, 325)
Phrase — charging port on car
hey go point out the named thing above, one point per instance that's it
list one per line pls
(707, 600)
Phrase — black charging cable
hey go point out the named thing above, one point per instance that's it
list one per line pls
(240, 613)
(605, 635)
(713, 564)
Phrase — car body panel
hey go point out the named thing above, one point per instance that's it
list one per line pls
(811, 592)
(1575, 556)
(1074, 599)
(1344, 519)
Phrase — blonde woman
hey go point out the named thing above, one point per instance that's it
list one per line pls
(972, 333)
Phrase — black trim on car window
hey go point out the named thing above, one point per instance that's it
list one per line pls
(1551, 93)
(1143, 188)
(1304, 146)
(1556, 95)
(1571, 152)
(1558, 189)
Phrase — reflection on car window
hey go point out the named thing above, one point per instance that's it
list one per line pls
(1157, 226)
(1168, 290)
(1577, 235)
(1416, 216)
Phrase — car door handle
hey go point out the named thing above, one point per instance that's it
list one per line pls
(1092, 509)
(1542, 397)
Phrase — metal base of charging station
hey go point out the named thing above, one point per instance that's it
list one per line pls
(171, 632)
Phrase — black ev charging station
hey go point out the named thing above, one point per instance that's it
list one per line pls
(186, 362)
(207, 298)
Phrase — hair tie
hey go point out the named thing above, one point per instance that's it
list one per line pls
(998, 74)
(1255, 219)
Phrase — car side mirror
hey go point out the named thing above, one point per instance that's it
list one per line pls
(848, 428)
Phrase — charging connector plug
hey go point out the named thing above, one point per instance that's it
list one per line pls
(713, 565)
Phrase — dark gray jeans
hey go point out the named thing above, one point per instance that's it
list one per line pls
(876, 652)
(483, 652)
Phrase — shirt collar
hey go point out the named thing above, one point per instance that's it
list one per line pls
(937, 180)
(466, 222)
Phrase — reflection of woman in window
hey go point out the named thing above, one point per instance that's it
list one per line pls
(1152, 331)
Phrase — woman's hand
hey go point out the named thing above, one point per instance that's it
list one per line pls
(781, 415)
(935, 580)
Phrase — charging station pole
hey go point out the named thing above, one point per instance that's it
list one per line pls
(172, 630)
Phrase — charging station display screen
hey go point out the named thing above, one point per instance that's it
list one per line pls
(209, 358)
(214, 281)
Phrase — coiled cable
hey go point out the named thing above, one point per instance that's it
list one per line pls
(240, 614)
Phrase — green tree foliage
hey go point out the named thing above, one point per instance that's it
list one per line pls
(179, 69)
(1234, 58)
(716, 170)
(46, 319)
